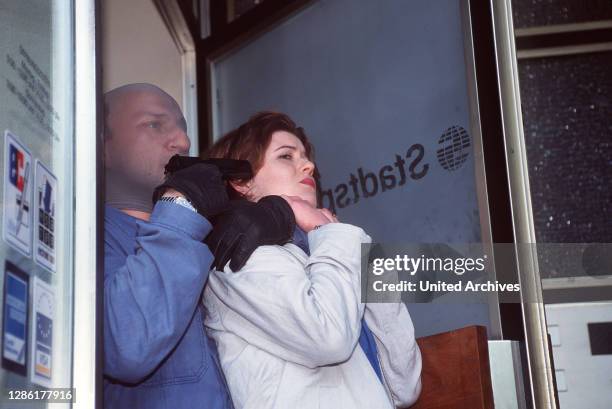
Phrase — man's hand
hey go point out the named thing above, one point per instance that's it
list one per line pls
(201, 184)
(244, 226)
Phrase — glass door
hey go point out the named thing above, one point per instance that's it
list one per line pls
(39, 212)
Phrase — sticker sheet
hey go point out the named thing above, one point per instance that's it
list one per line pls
(17, 212)
(43, 308)
(45, 193)
(15, 319)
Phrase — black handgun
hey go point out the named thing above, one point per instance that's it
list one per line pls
(231, 169)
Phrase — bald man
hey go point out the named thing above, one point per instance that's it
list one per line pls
(156, 352)
(144, 128)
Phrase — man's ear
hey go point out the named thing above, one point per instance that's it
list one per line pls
(240, 186)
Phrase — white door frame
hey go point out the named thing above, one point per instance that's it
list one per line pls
(173, 18)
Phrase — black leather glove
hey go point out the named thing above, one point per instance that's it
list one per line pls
(201, 181)
(201, 184)
(244, 226)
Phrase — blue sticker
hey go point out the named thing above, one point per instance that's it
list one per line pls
(15, 319)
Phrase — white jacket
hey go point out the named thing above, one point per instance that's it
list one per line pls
(287, 327)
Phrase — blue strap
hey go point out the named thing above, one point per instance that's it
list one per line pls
(366, 340)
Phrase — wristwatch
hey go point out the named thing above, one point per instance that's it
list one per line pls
(179, 200)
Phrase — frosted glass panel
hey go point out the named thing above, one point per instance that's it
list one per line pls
(36, 127)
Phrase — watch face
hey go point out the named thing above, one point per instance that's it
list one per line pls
(182, 201)
(179, 200)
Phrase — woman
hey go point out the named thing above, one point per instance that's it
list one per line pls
(290, 328)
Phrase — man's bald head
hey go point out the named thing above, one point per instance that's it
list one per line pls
(143, 128)
(114, 98)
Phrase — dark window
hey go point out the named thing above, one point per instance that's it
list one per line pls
(567, 117)
(530, 13)
(600, 337)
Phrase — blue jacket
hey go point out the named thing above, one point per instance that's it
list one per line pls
(156, 352)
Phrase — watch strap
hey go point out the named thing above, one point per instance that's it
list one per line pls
(179, 200)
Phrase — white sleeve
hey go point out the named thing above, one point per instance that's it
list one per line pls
(398, 352)
(308, 314)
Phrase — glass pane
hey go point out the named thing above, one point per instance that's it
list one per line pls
(392, 123)
(567, 115)
(36, 120)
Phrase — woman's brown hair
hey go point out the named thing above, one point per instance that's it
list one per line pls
(250, 140)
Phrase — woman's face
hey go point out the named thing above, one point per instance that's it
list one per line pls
(285, 171)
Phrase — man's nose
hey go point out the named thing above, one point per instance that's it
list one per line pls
(180, 142)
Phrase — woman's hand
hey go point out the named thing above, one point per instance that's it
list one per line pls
(306, 215)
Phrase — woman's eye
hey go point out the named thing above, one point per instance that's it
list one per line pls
(286, 156)
(154, 125)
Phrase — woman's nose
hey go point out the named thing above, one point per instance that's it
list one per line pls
(308, 167)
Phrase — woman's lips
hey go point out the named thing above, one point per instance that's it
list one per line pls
(309, 182)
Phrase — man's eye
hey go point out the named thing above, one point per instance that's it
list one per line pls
(154, 125)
